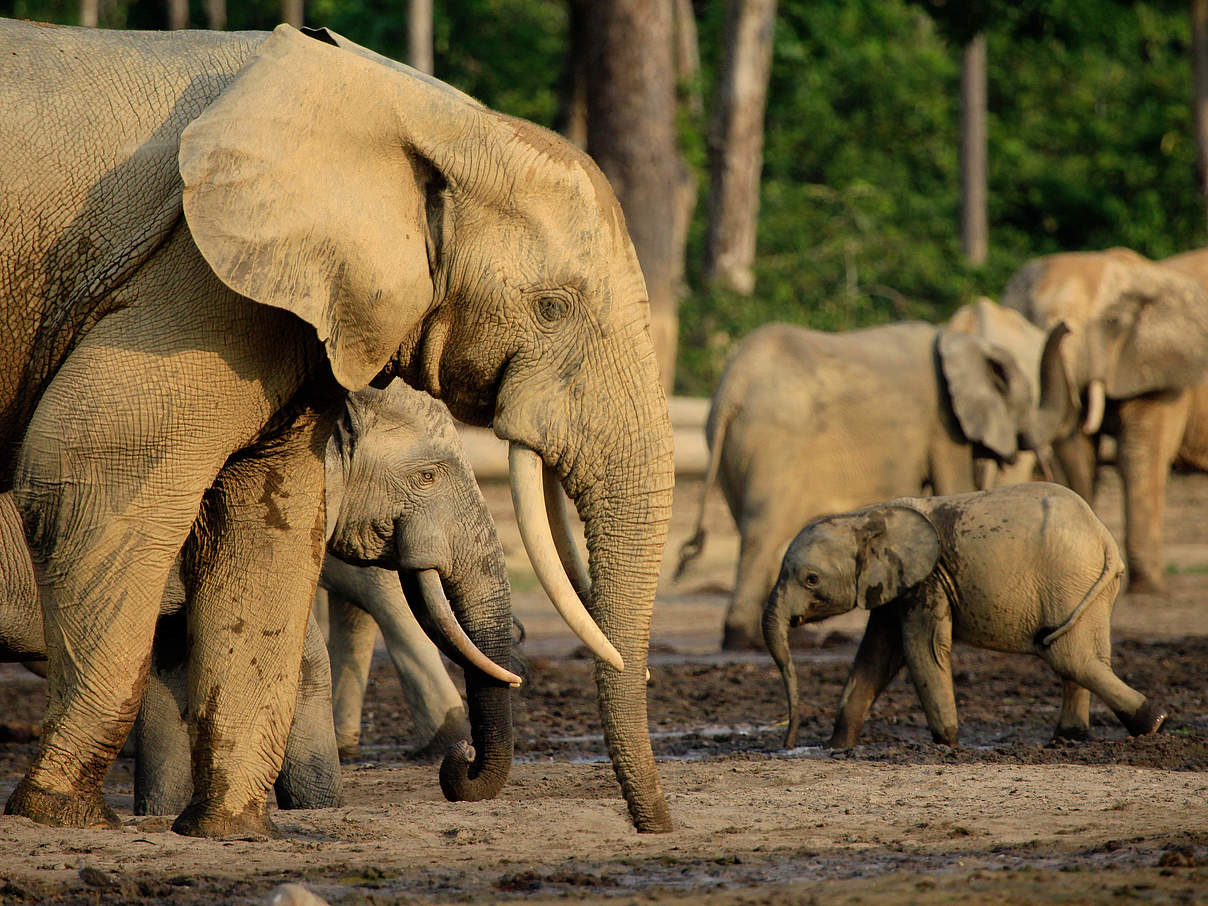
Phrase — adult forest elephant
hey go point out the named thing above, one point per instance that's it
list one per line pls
(208, 239)
(805, 423)
(1139, 341)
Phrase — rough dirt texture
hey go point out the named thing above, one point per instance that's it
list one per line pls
(1004, 818)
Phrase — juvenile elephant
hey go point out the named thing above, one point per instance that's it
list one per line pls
(805, 423)
(404, 512)
(193, 282)
(398, 477)
(1026, 568)
(1138, 344)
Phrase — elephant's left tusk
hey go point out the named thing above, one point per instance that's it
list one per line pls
(564, 540)
(528, 499)
(442, 614)
(1096, 402)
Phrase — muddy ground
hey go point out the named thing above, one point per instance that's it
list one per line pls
(1004, 818)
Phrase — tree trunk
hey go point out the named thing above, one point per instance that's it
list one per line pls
(974, 229)
(736, 145)
(293, 12)
(178, 13)
(631, 135)
(691, 108)
(89, 10)
(571, 118)
(419, 35)
(1199, 68)
(216, 14)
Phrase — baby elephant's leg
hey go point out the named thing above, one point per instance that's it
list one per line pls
(927, 646)
(1075, 719)
(1083, 656)
(878, 660)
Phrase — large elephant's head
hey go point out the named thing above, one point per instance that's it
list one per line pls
(1136, 326)
(402, 495)
(482, 259)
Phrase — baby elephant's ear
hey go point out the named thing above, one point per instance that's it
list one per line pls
(898, 548)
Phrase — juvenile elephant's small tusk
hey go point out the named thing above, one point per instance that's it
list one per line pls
(528, 499)
(564, 540)
(1096, 402)
(442, 614)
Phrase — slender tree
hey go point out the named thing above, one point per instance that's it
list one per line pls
(419, 35)
(216, 14)
(975, 229)
(691, 111)
(89, 12)
(293, 12)
(1199, 68)
(178, 13)
(631, 134)
(736, 144)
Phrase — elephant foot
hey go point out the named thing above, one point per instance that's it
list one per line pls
(349, 754)
(738, 638)
(1146, 720)
(60, 809)
(842, 738)
(1072, 734)
(945, 737)
(201, 820)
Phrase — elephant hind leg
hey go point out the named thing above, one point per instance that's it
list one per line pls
(1075, 664)
(1075, 719)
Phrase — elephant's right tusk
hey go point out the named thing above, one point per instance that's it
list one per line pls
(564, 539)
(1096, 402)
(528, 499)
(442, 614)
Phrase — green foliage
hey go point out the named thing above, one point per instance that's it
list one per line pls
(1090, 138)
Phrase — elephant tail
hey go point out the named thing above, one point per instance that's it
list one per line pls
(1046, 637)
(719, 420)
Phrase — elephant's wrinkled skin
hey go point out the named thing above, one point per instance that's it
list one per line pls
(1026, 568)
(805, 423)
(192, 280)
(1139, 342)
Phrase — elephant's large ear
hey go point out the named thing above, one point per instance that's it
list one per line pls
(308, 187)
(897, 549)
(1166, 346)
(989, 392)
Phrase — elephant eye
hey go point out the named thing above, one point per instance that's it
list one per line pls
(811, 580)
(425, 478)
(552, 308)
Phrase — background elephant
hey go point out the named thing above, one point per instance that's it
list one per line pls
(193, 283)
(1139, 341)
(805, 423)
(1027, 569)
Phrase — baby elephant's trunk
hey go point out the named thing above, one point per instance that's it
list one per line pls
(776, 637)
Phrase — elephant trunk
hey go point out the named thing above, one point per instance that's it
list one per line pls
(776, 637)
(482, 607)
(622, 489)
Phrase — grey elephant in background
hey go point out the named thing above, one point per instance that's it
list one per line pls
(193, 283)
(805, 423)
(1026, 568)
(1138, 346)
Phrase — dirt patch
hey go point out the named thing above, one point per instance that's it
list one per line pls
(1005, 817)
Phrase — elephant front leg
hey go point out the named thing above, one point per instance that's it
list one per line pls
(1078, 457)
(878, 660)
(1150, 431)
(927, 646)
(252, 565)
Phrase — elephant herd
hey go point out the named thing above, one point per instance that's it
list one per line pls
(236, 269)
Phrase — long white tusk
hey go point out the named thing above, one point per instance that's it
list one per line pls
(442, 614)
(528, 499)
(1096, 401)
(564, 539)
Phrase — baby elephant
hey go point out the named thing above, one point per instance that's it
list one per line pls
(1026, 568)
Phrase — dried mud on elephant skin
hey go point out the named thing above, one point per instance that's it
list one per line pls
(1002, 818)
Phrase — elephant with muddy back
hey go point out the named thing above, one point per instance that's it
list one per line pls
(191, 285)
(805, 423)
(1025, 568)
(1137, 351)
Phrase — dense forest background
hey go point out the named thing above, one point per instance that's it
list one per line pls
(1090, 139)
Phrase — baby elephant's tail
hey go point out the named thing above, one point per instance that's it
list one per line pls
(692, 548)
(1046, 636)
